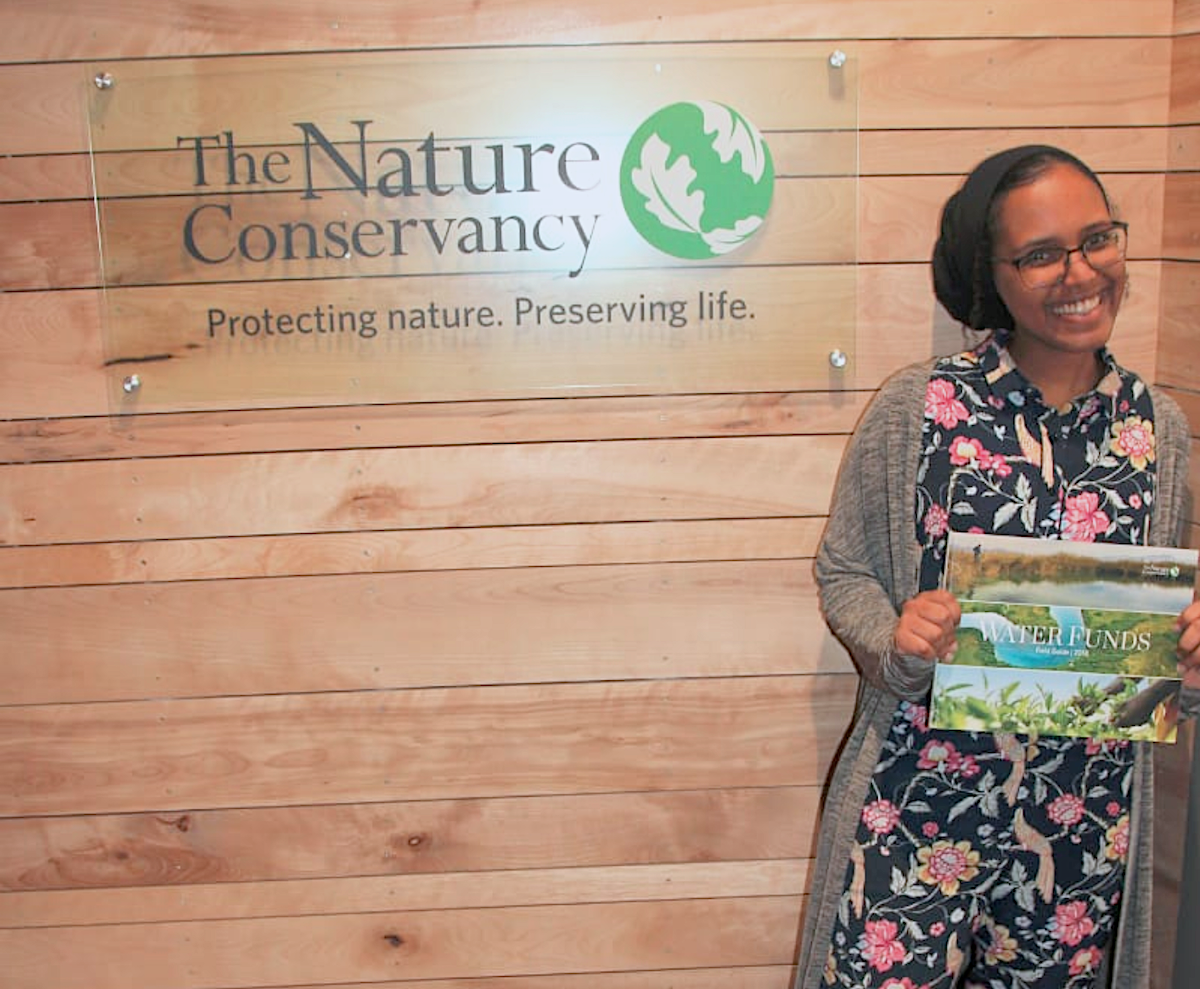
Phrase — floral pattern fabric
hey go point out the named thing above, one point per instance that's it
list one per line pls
(996, 459)
(993, 861)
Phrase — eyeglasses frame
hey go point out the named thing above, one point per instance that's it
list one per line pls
(1066, 261)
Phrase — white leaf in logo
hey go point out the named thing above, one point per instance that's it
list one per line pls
(666, 189)
(734, 137)
(724, 241)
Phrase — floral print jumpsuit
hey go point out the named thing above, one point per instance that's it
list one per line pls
(992, 861)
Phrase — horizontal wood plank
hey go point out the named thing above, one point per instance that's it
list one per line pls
(424, 744)
(1183, 147)
(756, 977)
(276, 845)
(1185, 79)
(387, 631)
(909, 83)
(1178, 355)
(1181, 236)
(429, 424)
(338, 491)
(55, 31)
(411, 945)
(1187, 17)
(379, 551)
(316, 897)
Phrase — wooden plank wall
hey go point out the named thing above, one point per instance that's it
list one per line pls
(551, 704)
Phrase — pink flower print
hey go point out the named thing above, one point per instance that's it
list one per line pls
(999, 466)
(1113, 808)
(941, 404)
(1133, 437)
(880, 946)
(1071, 923)
(937, 929)
(930, 829)
(968, 767)
(1084, 519)
(946, 864)
(880, 816)
(1086, 960)
(1116, 840)
(937, 521)
(967, 450)
(904, 983)
(939, 754)
(1135, 501)
(916, 714)
(1097, 745)
(1065, 809)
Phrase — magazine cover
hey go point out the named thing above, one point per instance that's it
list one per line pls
(1063, 638)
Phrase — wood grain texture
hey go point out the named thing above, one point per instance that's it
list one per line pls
(410, 945)
(1181, 235)
(425, 744)
(1183, 147)
(428, 424)
(1187, 17)
(909, 83)
(52, 30)
(381, 551)
(337, 491)
(756, 977)
(1185, 80)
(569, 732)
(228, 849)
(319, 897)
(386, 631)
(1178, 355)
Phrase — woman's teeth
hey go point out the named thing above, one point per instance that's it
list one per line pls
(1079, 308)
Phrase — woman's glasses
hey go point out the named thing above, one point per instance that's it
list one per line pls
(1045, 266)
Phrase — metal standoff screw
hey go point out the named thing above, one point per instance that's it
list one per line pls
(104, 80)
(838, 58)
(131, 384)
(838, 359)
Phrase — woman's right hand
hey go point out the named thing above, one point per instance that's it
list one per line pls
(927, 625)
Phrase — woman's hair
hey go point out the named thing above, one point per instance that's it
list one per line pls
(962, 256)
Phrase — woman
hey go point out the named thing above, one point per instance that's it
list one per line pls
(970, 859)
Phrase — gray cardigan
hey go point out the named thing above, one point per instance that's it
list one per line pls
(867, 567)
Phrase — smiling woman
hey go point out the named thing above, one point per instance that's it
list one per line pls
(1019, 436)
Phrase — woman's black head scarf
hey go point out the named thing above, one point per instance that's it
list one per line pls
(962, 276)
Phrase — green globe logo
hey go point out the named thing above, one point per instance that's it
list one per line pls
(697, 180)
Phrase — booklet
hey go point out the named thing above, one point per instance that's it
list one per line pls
(1063, 638)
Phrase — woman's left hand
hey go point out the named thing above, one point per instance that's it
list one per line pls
(1188, 649)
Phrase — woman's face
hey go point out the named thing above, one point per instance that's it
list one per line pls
(1075, 314)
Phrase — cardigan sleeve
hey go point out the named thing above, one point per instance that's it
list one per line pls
(1174, 506)
(857, 571)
